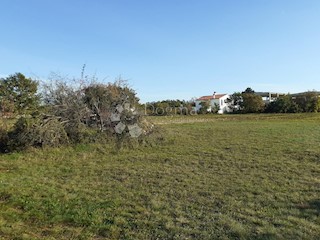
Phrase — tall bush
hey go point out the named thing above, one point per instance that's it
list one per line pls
(18, 94)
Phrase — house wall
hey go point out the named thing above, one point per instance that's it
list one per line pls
(224, 105)
(213, 102)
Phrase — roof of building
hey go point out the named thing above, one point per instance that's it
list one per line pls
(206, 98)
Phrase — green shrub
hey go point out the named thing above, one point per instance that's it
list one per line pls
(35, 132)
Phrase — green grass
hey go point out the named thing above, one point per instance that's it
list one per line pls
(213, 177)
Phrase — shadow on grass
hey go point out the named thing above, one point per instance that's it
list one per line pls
(315, 205)
(310, 208)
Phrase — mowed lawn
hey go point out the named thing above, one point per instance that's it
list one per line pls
(212, 177)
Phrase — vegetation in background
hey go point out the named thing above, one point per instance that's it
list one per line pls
(249, 102)
(284, 104)
(169, 107)
(235, 102)
(205, 106)
(246, 102)
(304, 102)
(308, 102)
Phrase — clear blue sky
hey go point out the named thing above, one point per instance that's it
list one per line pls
(167, 49)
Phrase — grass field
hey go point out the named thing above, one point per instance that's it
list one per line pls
(213, 177)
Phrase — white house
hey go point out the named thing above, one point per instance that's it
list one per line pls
(219, 100)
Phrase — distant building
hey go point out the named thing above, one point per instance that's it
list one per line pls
(269, 97)
(219, 100)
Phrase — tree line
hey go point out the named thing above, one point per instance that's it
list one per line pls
(250, 102)
(247, 101)
(169, 107)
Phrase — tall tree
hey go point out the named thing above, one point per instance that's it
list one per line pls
(248, 90)
(19, 92)
(246, 102)
(252, 103)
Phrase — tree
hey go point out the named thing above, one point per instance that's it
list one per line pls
(246, 102)
(252, 103)
(283, 104)
(248, 90)
(6, 106)
(205, 106)
(308, 102)
(235, 102)
(19, 94)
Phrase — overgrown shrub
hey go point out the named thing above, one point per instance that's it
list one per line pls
(36, 132)
(80, 112)
(18, 95)
(70, 112)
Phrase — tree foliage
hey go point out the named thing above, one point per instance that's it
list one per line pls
(18, 94)
(249, 90)
(308, 102)
(169, 107)
(284, 104)
(252, 103)
(235, 102)
(246, 102)
(304, 102)
(205, 106)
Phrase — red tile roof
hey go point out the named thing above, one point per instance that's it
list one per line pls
(206, 98)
